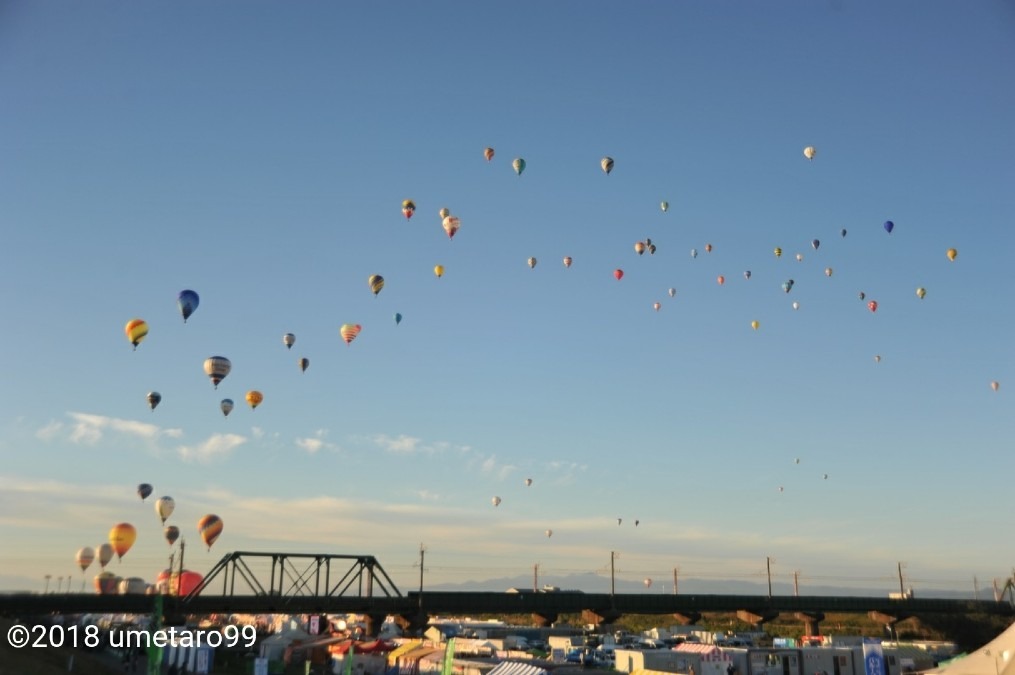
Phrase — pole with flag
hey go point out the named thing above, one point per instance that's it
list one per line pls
(449, 658)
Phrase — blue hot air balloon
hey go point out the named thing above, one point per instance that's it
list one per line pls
(398, 318)
(188, 302)
(889, 226)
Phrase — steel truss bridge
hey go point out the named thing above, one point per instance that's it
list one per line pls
(299, 583)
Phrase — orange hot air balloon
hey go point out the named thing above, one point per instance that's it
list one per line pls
(488, 153)
(952, 254)
(136, 330)
(567, 261)
(121, 538)
(721, 279)
(618, 274)
(210, 527)
(254, 398)
(639, 248)
(349, 331)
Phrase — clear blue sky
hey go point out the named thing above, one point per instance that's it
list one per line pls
(259, 152)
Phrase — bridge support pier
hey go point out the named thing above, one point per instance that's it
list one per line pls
(687, 618)
(756, 617)
(600, 617)
(544, 620)
(888, 620)
(812, 621)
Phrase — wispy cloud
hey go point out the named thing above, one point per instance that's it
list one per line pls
(400, 445)
(316, 443)
(218, 446)
(89, 429)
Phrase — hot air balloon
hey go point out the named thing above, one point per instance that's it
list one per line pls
(872, 305)
(995, 385)
(618, 274)
(755, 325)
(656, 306)
(531, 262)
(136, 330)
(651, 249)
(877, 358)
(549, 533)
(815, 244)
(288, 340)
(809, 152)
(121, 538)
(889, 226)
(619, 521)
(304, 363)
(952, 253)
(254, 398)
(153, 398)
(920, 292)
(862, 295)
(518, 165)
(217, 367)
(104, 553)
(639, 247)
(778, 252)
(376, 283)
(747, 274)
(408, 208)
(84, 557)
(210, 527)
(226, 406)
(488, 153)
(444, 213)
(787, 285)
(672, 292)
(451, 225)
(106, 583)
(349, 331)
(708, 248)
(495, 501)
(828, 271)
(528, 482)
(567, 261)
(398, 318)
(188, 301)
(648, 583)
(694, 253)
(607, 164)
(438, 270)
(665, 206)
(164, 507)
(799, 257)
(171, 533)
(143, 490)
(842, 233)
(796, 305)
(720, 280)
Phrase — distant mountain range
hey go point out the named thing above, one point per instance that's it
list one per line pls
(594, 583)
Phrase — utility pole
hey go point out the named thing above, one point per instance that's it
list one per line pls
(613, 555)
(179, 575)
(796, 583)
(768, 564)
(902, 590)
(535, 577)
(422, 555)
(675, 570)
(976, 589)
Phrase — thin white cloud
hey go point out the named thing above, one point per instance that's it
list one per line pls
(400, 445)
(89, 429)
(218, 446)
(316, 443)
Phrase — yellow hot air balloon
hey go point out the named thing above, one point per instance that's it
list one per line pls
(121, 538)
(408, 208)
(209, 527)
(607, 164)
(921, 292)
(809, 152)
(136, 330)
(376, 282)
(438, 270)
(755, 325)
(488, 153)
(952, 253)
(778, 252)
(349, 331)
(254, 398)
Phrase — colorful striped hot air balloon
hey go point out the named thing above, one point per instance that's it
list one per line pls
(451, 225)
(136, 330)
(408, 208)
(349, 331)
(376, 282)
(217, 367)
(210, 527)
